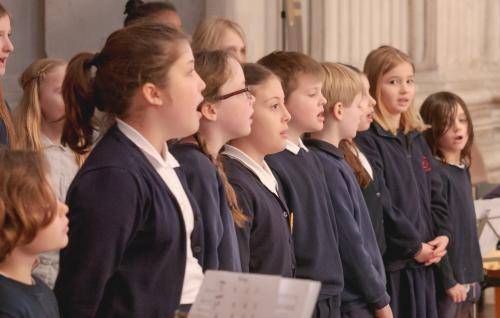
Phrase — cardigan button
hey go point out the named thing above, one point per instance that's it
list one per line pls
(285, 215)
(378, 194)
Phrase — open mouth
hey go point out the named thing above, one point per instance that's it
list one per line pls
(321, 116)
(459, 138)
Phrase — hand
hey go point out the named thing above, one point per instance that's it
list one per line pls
(457, 293)
(425, 254)
(439, 244)
(384, 312)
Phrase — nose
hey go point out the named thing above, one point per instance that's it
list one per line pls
(201, 83)
(63, 208)
(286, 114)
(7, 46)
(322, 100)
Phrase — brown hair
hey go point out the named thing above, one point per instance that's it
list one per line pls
(138, 10)
(256, 74)
(26, 202)
(209, 33)
(213, 68)
(132, 56)
(439, 111)
(378, 63)
(4, 110)
(289, 65)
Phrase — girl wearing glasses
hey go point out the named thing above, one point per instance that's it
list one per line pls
(225, 114)
(265, 241)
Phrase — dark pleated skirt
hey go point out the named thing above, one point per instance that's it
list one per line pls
(327, 307)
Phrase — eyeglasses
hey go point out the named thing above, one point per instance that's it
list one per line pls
(240, 91)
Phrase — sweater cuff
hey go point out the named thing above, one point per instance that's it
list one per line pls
(382, 302)
(415, 250)
(444, 232)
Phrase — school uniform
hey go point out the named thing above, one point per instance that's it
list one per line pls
(129, 252)
(4, 137)
(415, 212)
(62, 169)
(372, 197)
(315, 234)
(463, 262)
(364, 276)
(265, 241)
(220, 243)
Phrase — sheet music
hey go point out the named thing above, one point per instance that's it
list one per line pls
(243, 295)
(488, 216)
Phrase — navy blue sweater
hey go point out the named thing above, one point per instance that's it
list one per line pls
(364, 273)
(127, 242)
(265, 242)
(411, 192)
(463, 263)
(4, 139)
(372, 197)
(220, 243)
(314, 228)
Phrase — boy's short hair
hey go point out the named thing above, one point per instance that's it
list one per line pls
(341, 85)
(27, 203)
(289, 65)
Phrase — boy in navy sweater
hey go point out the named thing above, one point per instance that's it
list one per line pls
(364, 293)
(301, 174)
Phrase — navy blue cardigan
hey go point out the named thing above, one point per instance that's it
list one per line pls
(463, 263)
(411, 192)
(265, 242)
(127, 247)
(220, 243)
(314, 227)
(364, 273)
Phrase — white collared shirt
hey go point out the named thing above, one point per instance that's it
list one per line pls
(164, 164)
(294, 148)
(365, 163)
(262, 170)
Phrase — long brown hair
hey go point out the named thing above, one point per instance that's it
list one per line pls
(4, 111)
(439, 110)
(209, 33)
(26, 202)
(132, 56)
(213, 68)
(378, 63)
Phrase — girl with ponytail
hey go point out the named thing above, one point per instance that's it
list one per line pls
(133, 225)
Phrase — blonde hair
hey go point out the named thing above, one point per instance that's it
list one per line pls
(378, 63)
(28, 114)
(341, 85)
(209, 33)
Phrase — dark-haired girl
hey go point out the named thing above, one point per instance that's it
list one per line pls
(450, 139)
(159, 11)
(226, 114)
(133, 226)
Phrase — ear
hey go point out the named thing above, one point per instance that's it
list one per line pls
(208, 111)
(337, 111)
(151, 94)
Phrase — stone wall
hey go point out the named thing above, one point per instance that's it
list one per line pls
(455, 43)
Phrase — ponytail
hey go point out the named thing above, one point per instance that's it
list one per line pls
(351, 154)
(78, 96)
(239, 217)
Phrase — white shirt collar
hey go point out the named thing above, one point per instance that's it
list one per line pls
(147, 148)
(293, 148)
(262, 171)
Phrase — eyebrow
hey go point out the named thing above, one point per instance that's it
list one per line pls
(271, 98)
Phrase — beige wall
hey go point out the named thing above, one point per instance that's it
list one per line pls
(455, 43)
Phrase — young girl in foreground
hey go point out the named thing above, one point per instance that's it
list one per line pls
(39, 120)
(418, 231)
(265, 239)
(32, 221)
(130, 251)
(226, 114)
(450, 139)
